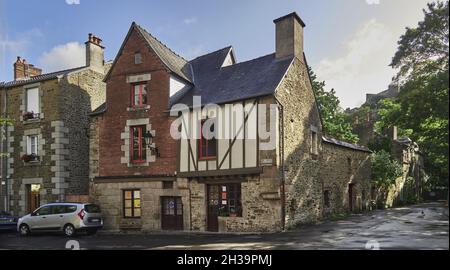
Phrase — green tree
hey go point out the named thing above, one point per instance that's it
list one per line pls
(336, 122)
(422, 107)
(385, 171)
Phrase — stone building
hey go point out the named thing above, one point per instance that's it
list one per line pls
(409, 187)
(48, 143)
(269, 168)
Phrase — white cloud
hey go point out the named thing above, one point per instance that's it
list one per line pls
(363, 67)
(190, 20)
(194, 51)
(373, 2)
(69, 55)
(73, 2)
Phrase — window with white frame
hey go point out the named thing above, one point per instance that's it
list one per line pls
(32, 100)
(32, 145)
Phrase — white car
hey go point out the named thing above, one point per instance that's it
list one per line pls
(66, 217)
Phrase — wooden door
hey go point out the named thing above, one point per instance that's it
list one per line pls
(213, 208)
(33, 199)
(171, 213)
(350, 197)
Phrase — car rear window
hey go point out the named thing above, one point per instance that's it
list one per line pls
(92, 208)
(70, 208)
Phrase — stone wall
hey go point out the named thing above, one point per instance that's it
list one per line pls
(109, 196)
(410, 186)
(300, 115)
(340, 167)
(39, 172)
(80, 92)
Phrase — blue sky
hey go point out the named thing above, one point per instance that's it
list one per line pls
(349, 43)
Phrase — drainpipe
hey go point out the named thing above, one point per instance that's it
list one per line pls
(282, 182)
(4, 143)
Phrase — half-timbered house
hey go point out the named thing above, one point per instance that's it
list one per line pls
(213, 144)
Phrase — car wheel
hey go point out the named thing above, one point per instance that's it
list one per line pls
(24, 230)
(91, 231)
(69, 230)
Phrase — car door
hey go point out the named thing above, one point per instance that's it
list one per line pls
(40, 219)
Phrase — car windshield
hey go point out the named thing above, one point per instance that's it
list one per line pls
(92, 208)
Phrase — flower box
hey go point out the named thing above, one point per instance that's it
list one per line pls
(29, 116)
(30, 158)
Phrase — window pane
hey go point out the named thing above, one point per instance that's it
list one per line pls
(137, 212)
(127, 203)
(144, 94)
(137, 203)
(33, 100)
(127, 194)
(136, 95)
(137, 194)
(128, 212)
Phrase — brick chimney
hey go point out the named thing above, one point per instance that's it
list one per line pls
(23, 70)
(289, 36)
(95, 53)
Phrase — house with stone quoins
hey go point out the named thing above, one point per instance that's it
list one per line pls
(245, 179)
(48, 142)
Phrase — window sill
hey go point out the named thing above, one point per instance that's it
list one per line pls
(32, 163)
(31, 121)
(138, 109)
(207, 159)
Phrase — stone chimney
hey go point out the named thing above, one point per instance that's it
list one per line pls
(95, 58)
(289, 36)
(23, 70)
(392, 133)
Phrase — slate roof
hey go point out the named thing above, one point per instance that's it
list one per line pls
(345, 144)
(40, 78)
(250, 79)
(173, 61)
(99, 110)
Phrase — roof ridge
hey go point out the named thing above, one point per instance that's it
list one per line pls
(142, 28)
(247, 61)
(200, 56)
(45, 74)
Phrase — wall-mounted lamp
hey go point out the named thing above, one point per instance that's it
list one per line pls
(148, 136)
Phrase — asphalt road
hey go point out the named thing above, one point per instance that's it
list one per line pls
(423, 226)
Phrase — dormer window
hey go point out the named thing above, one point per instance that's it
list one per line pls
(139, 95)
(137, 58)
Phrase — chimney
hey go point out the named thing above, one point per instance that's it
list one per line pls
(95, 53)
(392, 133)
(23, 70)
(289, 36)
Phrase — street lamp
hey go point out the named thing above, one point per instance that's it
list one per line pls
(148, 136)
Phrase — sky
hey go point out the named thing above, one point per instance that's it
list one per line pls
(348, 43)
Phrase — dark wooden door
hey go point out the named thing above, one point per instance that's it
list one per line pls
(33, 197)
(171, 213)
(350, 197)
(213, 208)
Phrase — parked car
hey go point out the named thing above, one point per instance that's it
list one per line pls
(69, 218)
(8, 221)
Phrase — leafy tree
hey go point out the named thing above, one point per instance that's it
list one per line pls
(336, 122)
(422, 107)
(385, 171)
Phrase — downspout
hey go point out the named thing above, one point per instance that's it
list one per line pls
(4, 150)
(282, 182)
